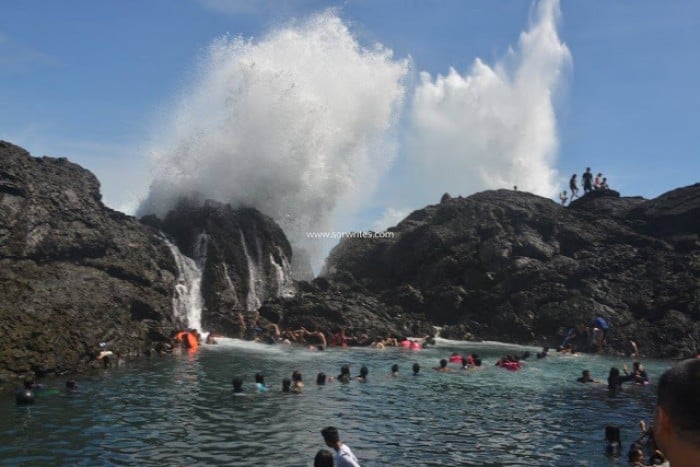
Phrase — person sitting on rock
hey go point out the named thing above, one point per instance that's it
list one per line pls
(563, 198)
(598, 181)
(339, 339)
(604, 184)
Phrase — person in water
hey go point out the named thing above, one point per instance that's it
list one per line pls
(543, 354)
(343, 454)
(613, 445)
(676, 425)
(586, 377)
(638, 375)
(260, 383)
(344, 376)
(395, 370)
(237, 383)
(362, 377)
(297, 380)
(71, 387)
(416, 369)
(324, 458)
(443, 366)
(321, 379)
(287, 385)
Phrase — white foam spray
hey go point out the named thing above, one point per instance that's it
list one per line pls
(291, 124)
(491, 127)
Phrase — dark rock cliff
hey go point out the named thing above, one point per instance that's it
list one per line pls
(513, 266)
(244, 256)
(73, 273)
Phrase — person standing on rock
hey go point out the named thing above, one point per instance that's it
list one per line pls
(573, 187)
(587, 178)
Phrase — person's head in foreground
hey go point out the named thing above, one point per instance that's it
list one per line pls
(677, 414)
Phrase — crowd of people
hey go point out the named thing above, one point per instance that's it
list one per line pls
(674, 434)
(590, 183)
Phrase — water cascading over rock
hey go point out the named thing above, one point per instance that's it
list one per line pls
(244, 259)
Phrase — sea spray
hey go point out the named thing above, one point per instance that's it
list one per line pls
(293, 124)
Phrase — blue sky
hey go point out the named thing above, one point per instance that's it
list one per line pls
(94, 81)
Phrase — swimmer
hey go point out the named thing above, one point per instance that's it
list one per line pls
(287, 385)
(395, 370)
(543, 354)
(260, 383)
(362, 377)
(321, 379)
(416, 369)
(613, 448)
(71, 387)
(298, 383)
(237, 383)
(443, 366)
(210, 339)
(586, 377)
(344, 376)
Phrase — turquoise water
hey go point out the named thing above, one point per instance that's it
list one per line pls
(179, 410)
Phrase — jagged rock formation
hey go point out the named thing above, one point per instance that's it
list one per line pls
(244, 256)
(513, 266)
(73, 273)
(329, 305)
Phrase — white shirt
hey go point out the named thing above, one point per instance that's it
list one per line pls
(345, 458)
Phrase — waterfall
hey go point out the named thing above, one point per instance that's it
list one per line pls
(187, 302)
(253, 298)
(283, 275)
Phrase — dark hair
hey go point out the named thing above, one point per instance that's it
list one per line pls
(70, 384)
(612, 437)
(330, 435)
(237, 383)
(394, 368)
(679, 395)
(259, 378)
(323, 458)
(612, 433)
(464, 361)
(345, 370)
(286, 384)
(364, 371)
(416, 368)
(321, 379)
(296, 376)
(636, 453)
(443, 363)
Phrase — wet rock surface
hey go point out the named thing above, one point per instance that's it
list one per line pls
(73, 273)
(513, 266)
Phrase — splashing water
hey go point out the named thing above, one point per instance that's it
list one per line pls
(292, 124)
(187, 301)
